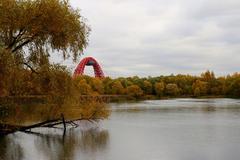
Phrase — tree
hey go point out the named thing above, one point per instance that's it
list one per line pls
(208, 76)
(33, 27)
(159, 88)
(197, 92)
(172, 89)
(222, 86)
(97, 85)
(202, 86)
(5, 66)
(107, 85)
(211, 81)
(134, 91)
(147, 87)
(117, 88)
(234, 85)
(83, 87)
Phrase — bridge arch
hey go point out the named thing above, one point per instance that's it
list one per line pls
(89, 61)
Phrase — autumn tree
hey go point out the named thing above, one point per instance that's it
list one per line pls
(172, 89)
(147, 87)
(125, 82)
(117, 88)
(208, 76)
(159, 88)
(197, 92)
(134, 91)
(200, 88)
(222, 86)
(97, 85)
(211, 81)
(83, 88)
(233, 82)
(33, 28)
(184, 83)
(107, 85)
(5, 66)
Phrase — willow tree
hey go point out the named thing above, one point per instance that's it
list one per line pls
(33, 29)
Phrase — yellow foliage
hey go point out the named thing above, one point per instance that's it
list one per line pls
(134, 91)
(159, 88)
(40, 25)
(117, 88)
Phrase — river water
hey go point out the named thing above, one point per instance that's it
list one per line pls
(176, 129)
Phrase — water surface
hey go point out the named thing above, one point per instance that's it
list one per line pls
(177, 129)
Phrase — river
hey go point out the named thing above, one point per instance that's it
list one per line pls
(176, 129)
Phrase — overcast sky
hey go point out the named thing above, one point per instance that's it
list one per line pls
(159, 37)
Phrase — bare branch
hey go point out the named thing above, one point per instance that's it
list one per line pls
(16, 38)
(30, 67)
(21, 45)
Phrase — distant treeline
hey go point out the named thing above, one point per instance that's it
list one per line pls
(207, 84)
(55, 80)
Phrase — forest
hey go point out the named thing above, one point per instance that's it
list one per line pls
(56, 80)
(205, 85)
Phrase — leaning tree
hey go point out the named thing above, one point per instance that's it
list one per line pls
(33, 29)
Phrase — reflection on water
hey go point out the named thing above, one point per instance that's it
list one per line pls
(178, 129)
(180, 104)
(10, 150)
(52, 145)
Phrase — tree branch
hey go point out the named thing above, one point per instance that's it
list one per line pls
(30, 39)
(33, 70)
(15, 38)
(21, 45)
(7, 129)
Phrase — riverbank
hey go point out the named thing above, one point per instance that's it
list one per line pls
(99, 98)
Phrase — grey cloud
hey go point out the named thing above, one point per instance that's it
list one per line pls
(155, 37)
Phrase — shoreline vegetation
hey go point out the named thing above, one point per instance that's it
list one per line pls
(207, 85)
(31, 31)
(98, 98)
(29, 112)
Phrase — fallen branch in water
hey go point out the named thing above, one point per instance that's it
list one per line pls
(7, 129)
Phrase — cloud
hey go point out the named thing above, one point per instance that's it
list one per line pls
(158, 37)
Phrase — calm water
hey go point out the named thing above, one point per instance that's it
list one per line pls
(179, 129)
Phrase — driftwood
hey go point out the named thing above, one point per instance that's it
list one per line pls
(7, 129)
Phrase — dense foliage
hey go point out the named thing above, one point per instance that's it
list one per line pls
(207, 84)
(30, 31)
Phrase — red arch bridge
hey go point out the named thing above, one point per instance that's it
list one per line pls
(89, 61)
